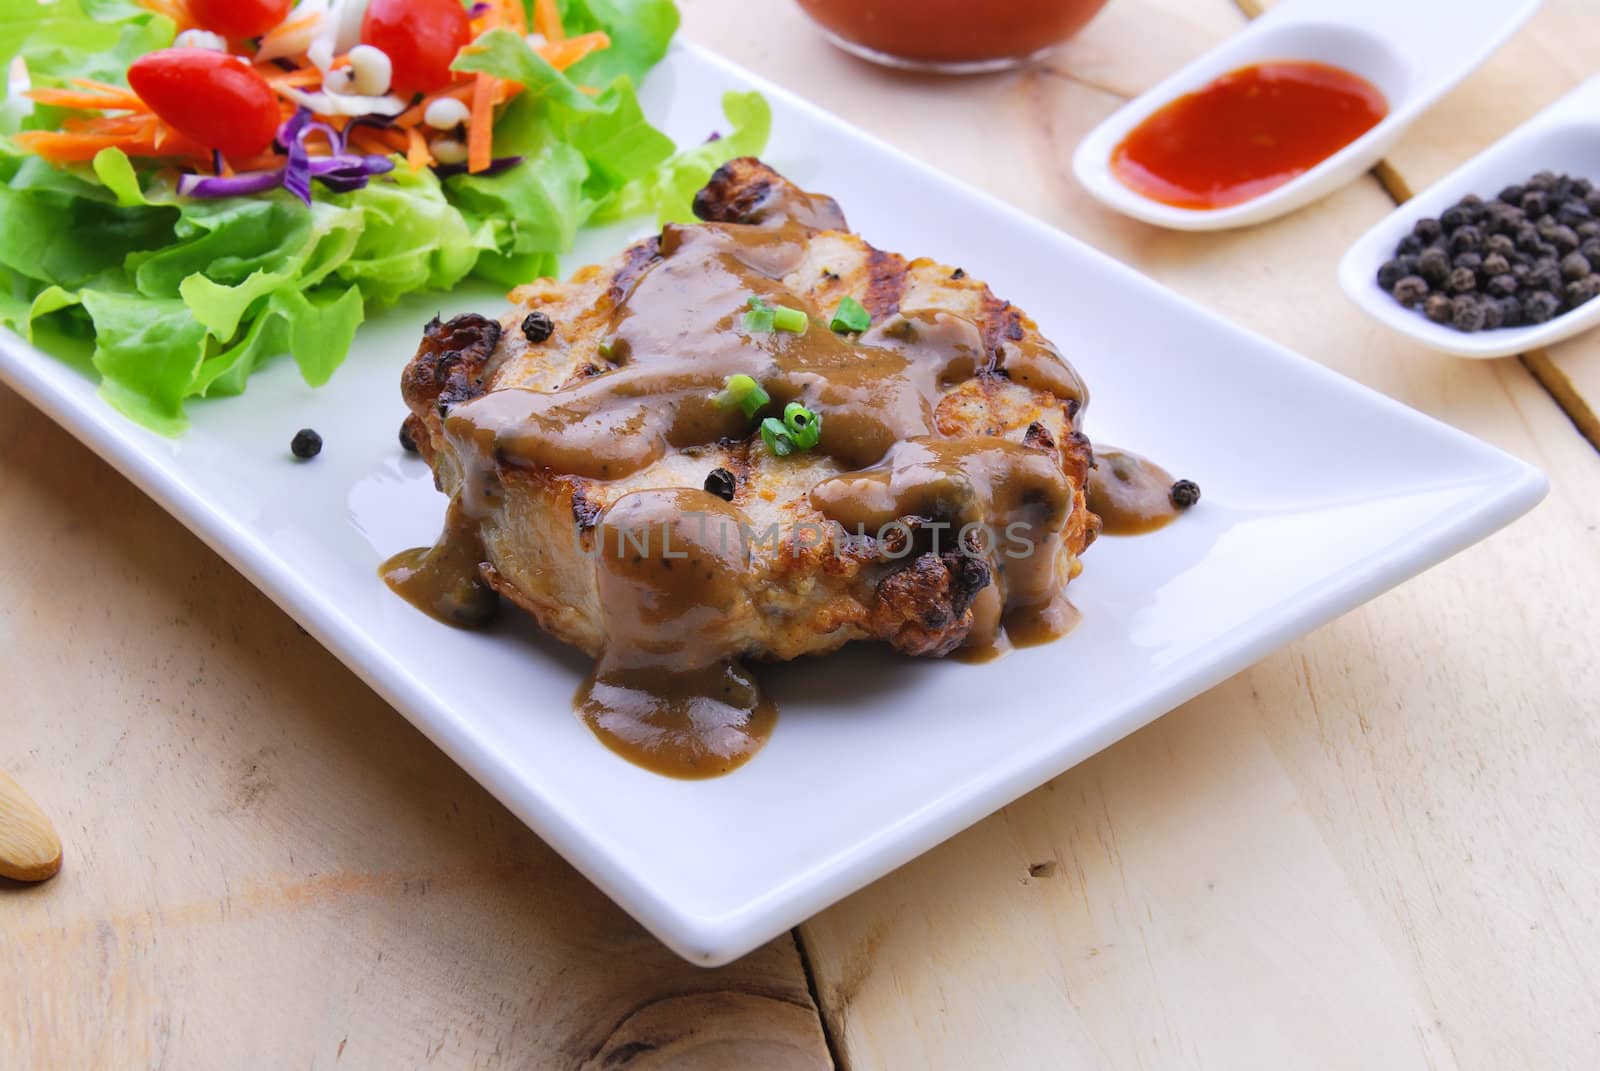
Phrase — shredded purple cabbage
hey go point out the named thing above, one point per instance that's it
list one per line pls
(341, 172)
(497, 165)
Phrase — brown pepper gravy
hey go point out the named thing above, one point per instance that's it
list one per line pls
(668, 692)
(444, 581)
(1131, 495)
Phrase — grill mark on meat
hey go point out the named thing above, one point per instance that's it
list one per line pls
(636, 262)
(1038, 437)
(450, 362)
(585, 511)
(745, 190)
(886, 283)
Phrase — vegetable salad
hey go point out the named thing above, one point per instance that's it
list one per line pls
(190, 187)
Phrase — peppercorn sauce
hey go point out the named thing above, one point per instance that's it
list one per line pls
(667, 690)
(1130, 494)
(1246, 133)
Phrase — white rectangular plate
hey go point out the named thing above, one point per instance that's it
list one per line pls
(1319, 494)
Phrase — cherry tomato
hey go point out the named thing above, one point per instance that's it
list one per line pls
(214, 99)
(420, 37)
(238, 19)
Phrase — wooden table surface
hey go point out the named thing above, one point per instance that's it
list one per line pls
(1377, 848)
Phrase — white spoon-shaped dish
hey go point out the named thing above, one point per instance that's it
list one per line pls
(1564, 138)
(1414, 51)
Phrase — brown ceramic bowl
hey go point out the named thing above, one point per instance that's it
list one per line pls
(953, 36)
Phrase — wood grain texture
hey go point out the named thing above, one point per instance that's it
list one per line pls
(271, 868)
(1375, 849)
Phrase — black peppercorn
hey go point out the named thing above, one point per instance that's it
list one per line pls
(1564, 238)
(1535, 203)
(1502, 285)
(1411, 244)
(1466, 313)
(1589, 228)
(1428, 229)
(721, 483)
(1461, 281)
(1466, 239)
(1590, 250)
(1474, 261)
(1592, 199)
(1539, 306)
(537, 327)
(1433, 265)
(1184, 493)
(306, 444)
(1582, 290)
(1574, 266)
(1455, 217)
(1526, 237)
(1574, 214)
(1412, 289)
(1389, 273)
(1510, 312)
(1512, 195)
(1437, 308)
(1545, 274)
(1499, 243)
(1494, 264)
(1492, 316)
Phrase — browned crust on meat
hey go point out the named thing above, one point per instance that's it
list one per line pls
(745, 190)
(635, 262)
(886, 274)
(926, 608)
(449, 366)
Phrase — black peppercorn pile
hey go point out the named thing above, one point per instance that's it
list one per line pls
(1525, 257)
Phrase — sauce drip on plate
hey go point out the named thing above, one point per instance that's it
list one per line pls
(1246, 133)
(1130, 494)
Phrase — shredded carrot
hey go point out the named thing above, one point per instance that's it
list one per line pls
(547, 21)
(515, 17)
(417, 154)
(123, 100)
(563, 54)
(295, 79)
(72, 147)
(480, 128)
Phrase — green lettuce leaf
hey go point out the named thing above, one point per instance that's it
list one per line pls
(668, 191)
(166, 298)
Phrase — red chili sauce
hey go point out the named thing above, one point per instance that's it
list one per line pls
(954, 31)
(1248, 132)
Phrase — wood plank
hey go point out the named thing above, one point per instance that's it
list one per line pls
(1374, 848)
(264, 863)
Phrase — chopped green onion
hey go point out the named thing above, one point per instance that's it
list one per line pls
(804, 426)
(763, 318)
(743, 391)
(787, 319)
(799, 430)
(851, 315)
(777, 437)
